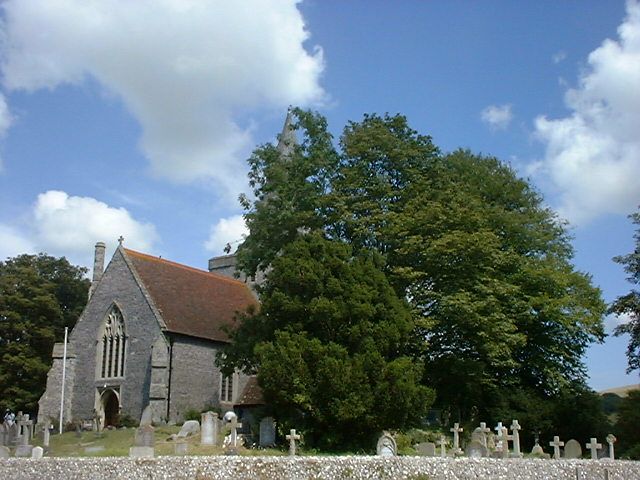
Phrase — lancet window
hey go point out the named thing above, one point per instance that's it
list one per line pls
(226, 389)
(112, 346)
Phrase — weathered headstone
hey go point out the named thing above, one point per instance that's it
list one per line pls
(611, 439)
(143, 443)
(475, 449)
(443, 446)
(267, 432)
(181, 448)
(190, 427)
(502, 450)
(594, 446)
(209, 430)
(426, 449)
(4, 452)
(292, 437)
(386, 446)
(515, 429)
(572, 449)
(13, 435)
(480, 434)
(23, 449)
(37, 453)
(556, 444)
(456, 450)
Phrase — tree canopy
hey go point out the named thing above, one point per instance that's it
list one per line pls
(497, 305)
(629, 304)
(39, 296)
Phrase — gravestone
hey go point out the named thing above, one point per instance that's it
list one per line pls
(443, 446)
(480, 434)
(267, 432)
(292, 437)
(572, 449)
(12, 435)
(456, 450)
(611, 439)
(476, 449)
(386, 446)
(23, 449)
(190, 427)
(426, 449)
(143, 443)
(4, 452)
(515, 429)
(497, 442)
(3, 434)
(538, 451)
(181, 448)
(37, 453)
(503, 441)
(209, 430)
(556, 444)
(46, 433)
(231, 442)
(594, 446)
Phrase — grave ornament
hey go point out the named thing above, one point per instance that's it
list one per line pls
(386, 446)
(556, 444)
(611, 439)
(443, 446)
(292, 437)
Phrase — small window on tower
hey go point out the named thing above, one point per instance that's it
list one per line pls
(226, 389)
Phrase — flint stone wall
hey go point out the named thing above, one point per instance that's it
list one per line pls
(300, 468)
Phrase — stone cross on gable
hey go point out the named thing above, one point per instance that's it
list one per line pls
(443, 444)
(484, 430)
(120, 240)
(515, 427)
(556, 444)
(292, 437)
(594, 446)
(456, 438)
(611, 439)
(235, 425)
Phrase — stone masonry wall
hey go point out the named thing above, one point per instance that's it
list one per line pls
(118, 286)
(49, 403)
(316, 468)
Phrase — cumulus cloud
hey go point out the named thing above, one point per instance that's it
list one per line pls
(497, 116)
(227, 230)
(592, 156)
(184, 68)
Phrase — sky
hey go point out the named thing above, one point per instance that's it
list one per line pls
(136, 118)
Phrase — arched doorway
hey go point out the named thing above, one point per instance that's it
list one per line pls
(111, 408)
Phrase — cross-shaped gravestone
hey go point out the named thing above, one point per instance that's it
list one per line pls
(594, 446)
(456, 450)
(292, 437)
(556, 444)
(484, 430)
(515, 426)
(235, 425)
(443, 444)
(504, 438)
(498, 429)
(611, 439)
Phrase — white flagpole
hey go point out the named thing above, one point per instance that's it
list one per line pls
(64, 374)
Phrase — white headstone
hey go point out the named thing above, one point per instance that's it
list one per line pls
(37, 452)
(556, 444)
(190, 427)
(515, 427)
(292, 437)
(456, 450)
(611, 439)
(209, 430)
(594, 446)
(443, 446)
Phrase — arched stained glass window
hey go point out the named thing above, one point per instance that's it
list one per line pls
(112, 346)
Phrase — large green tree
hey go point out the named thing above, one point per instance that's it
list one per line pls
(629, 304)
(329, 345)
(39, 296)
(497, 305)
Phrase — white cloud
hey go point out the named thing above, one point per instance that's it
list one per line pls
(6, 120)
(497, 116)
(184, 69)
(612, 321)
(592, 156)
(13, 242)
(227, 230)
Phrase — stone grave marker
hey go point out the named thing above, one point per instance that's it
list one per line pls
(181, 448)
(480, 434)
(143, 443)
(572, 449)
(426, 449)
(46, 434)
(23, 449)
(267, 432)
(190, 427)
(556, 444)
(4, 452)
(594, 446)
(497, 442)
(443, 446)
(13, 435)
(292, 437)
(456, 450)
(502, 450)
(611, 439)
(209, 430)
(37, 453)
(475, 449)
(515, 429)
(386, 446)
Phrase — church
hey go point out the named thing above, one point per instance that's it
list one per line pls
(149, 335)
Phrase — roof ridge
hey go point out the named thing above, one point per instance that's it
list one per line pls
(184, 267)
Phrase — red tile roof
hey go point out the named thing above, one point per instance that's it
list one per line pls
(252, 393)
(191, 301)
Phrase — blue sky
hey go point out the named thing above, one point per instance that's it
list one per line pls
(136, 118)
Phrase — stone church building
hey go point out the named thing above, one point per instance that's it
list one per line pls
(149, 336)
